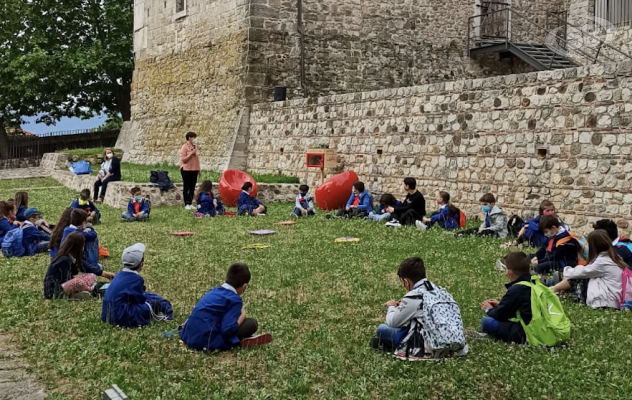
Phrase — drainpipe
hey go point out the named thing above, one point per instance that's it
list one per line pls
(301, 34)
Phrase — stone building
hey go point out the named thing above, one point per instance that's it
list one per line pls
(210, 66)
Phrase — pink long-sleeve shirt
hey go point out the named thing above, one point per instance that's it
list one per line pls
(189, 159)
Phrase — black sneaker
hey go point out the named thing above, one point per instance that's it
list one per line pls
(329, 216)
(377, 344)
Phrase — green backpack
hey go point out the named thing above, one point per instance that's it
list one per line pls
(549, 325)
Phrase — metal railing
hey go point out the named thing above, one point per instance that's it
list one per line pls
(23, 147)
(484, 30)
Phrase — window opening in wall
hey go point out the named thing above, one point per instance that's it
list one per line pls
(617, 12)
(282, 150)
(180, 6)
(541, 153)
(380, 152)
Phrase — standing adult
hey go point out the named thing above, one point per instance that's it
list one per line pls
(110, 172)
(413, 207)
(189, 168)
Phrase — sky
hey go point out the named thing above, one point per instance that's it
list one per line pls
(65, 124)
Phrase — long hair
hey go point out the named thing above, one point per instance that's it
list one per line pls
(58, 232)
(5, 209)
(445, 197)
(599, 242)
(73, 246)
(21, 199)
(205, 187)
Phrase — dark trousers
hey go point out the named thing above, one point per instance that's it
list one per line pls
(475, 232)
(247, 328)
(352, 213)
(103, 184)
(408, 217)
(189, 180)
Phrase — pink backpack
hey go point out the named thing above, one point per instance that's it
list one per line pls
(626, 288)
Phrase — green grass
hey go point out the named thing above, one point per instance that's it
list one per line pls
(320, 300)
(139, 173)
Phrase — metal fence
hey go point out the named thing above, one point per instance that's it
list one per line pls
(617, 12)
(23, 147)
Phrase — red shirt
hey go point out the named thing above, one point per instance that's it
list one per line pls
(356, 200)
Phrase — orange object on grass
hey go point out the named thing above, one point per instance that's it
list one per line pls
(103, 252)
(334, 193)
(230, 186)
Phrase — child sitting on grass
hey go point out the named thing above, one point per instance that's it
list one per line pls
(360, 203)
(7, 213)
(621, 245)
(530, 232)
(21, 204)
(83, 202)
(561, 250)
(404, 332)
(33, 240)
(304, 204)
(137, 207)
(207, 204)
(249, 205)
(218, 321)
(65, 266)
(386, 200)
(499, 322)
(447, 217)
(604, 271)
(494, 220)
(126, 303)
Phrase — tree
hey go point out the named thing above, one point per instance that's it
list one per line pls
(64, 58)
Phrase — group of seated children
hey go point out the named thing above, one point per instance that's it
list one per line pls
(83, 202)
(21, 238)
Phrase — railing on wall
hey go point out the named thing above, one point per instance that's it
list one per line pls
(25, 147)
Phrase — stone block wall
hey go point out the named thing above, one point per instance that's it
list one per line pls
(119, 192)
(563, 135)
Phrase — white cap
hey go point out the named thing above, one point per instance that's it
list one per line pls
(133, 255)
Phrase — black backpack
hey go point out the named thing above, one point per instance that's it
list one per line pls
(161, 178)
(514, 225)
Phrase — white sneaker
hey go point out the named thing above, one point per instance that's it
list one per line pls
(261, 215)
(500, 266)
(421, 226)
(394, 223)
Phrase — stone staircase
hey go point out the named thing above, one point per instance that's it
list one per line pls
(239, 155)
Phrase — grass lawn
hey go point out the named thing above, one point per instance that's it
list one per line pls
(320, 300)
(139, 173)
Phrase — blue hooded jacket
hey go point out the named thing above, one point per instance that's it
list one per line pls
(446, 219)
(366, 201)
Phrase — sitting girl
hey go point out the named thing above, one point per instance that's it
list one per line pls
(604, 272)
(387, 200)
(248, 205)
(530, 232)
(21, 204)
(58, 232)
(447, 217)
(7, 213)
(64, 266)
(207, 204)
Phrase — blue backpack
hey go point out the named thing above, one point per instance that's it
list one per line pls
(12, 243)
(625, 244)
(81, 167)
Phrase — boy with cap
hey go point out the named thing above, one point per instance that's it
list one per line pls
(33, 240)
(126, 304)
(83, 202)
(218, 321)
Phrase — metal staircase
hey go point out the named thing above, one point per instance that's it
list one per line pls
(499, 29)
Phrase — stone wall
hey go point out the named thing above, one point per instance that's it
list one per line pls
(563, 135)
(119, 192)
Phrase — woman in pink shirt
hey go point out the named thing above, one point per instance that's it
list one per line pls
(189, 168)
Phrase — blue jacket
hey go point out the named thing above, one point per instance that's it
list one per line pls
(532, 233)
(90, 207)
(5, 227)
(212, 324)
(144, 206)
(246, 203)
(124, 303)
(91, 242)
(205, 205)
(446, 219)
(19, 215)
(561, 250)
(381, 207)
(31, 237)
(366, 201)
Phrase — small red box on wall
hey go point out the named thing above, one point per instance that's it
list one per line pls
(320, 158)
(315, 160)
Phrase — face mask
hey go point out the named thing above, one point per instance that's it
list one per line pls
(109, 155)
(138, 198)
(485, 209)
(194, 141)
(303, 194)
(83, 202)
(549, 212)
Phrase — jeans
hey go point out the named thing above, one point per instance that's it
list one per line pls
(189, 180)
(490, 326)
(103, 184)
(131, 218)
(379, 217)
(391, 335)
